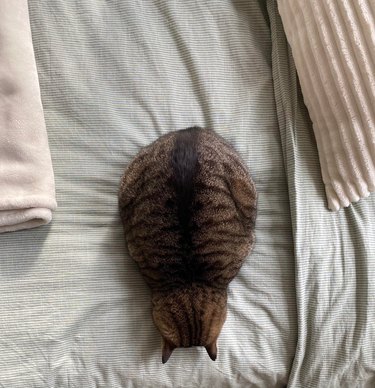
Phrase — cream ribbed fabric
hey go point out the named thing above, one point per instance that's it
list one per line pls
(333, 45)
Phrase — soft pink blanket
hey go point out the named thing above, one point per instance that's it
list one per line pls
(27, 192)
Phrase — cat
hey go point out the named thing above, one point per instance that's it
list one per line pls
(188, 208)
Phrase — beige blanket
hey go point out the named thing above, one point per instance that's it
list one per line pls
(333, 45)
(27, 193)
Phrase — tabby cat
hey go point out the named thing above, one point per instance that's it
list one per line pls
(188, 207)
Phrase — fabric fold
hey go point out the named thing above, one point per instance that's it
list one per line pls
(27, 189)
(333, 45)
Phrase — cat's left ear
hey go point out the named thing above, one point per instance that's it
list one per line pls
(168, 348)
(212, 350)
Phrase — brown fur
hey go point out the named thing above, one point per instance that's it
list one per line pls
(188, 206)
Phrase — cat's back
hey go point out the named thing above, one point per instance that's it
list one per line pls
(188, 207)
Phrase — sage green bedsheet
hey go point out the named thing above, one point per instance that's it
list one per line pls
(115, 75)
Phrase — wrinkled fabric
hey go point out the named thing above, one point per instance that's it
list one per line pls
(333, 46)
(334, 251)
(27, 191)
(75, 311)
(115, 75)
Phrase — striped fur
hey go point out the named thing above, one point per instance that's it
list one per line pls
(188, 206)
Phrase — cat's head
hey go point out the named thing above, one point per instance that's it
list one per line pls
(190, 317)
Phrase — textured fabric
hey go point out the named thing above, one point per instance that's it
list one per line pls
(27, 195)
(114, 75)
(333, 45)
(334, 251)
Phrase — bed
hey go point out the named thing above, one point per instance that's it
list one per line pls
(115, 75)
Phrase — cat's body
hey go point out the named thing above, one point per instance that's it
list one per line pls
(188, 206)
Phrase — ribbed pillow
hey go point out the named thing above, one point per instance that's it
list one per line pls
(333, 45)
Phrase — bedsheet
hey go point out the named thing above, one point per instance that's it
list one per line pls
(114, 75)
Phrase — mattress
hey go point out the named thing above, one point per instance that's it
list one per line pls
(114, 76)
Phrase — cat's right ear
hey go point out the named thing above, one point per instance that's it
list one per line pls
(212, 350)
(168, 348)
